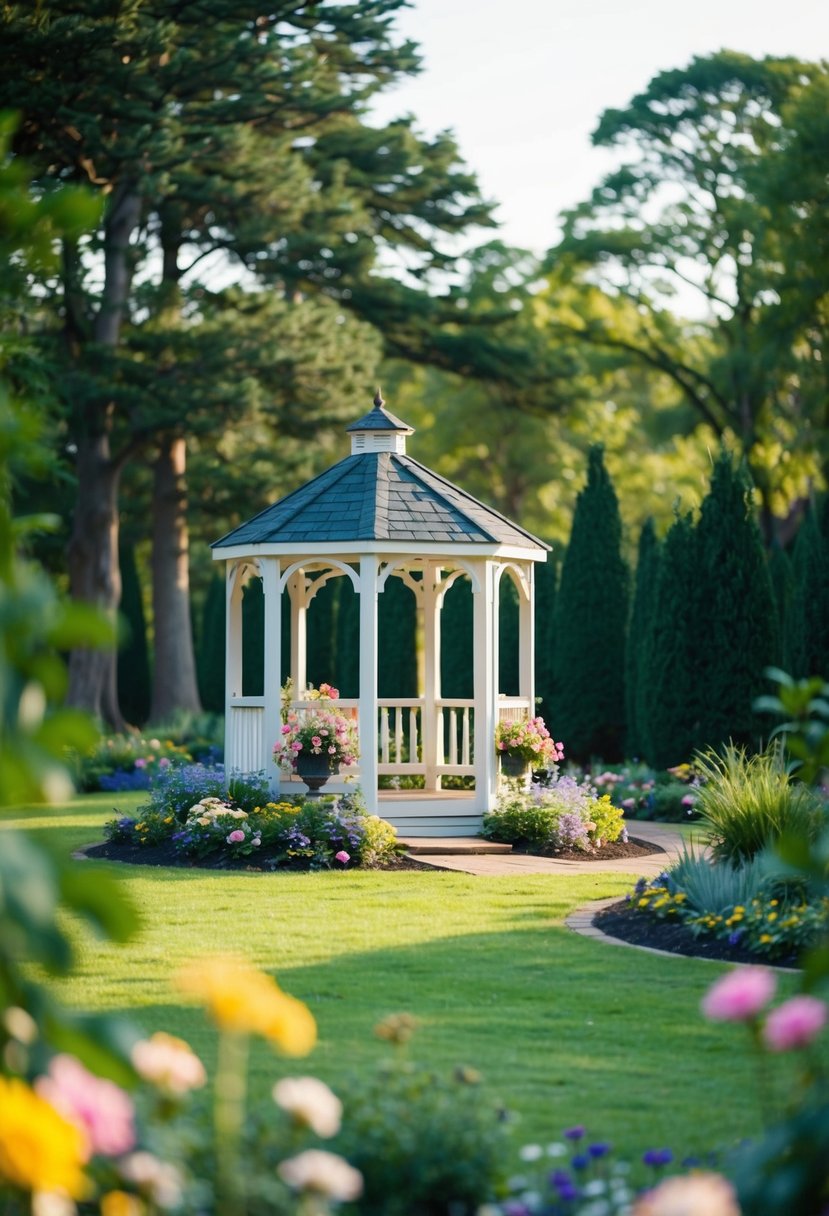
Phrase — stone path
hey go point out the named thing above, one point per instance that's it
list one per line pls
(489, 863)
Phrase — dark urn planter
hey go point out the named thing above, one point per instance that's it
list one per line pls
(513, 766)
(314, 770)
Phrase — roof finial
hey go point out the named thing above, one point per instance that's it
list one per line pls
(378, 400)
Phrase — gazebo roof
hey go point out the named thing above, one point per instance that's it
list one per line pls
(376, 495)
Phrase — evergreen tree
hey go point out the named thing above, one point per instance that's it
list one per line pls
(253, 639)
(545, 600)
(508, 641)
(396, 627)
(211, 647)
(644, 603)
(736, 630)
(667, 707)
(591, 616)
(782, 583)
(806, 646)
(457, 672)
(347, 665)
(133, 653)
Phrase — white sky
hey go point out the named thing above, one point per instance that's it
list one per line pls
(522, 82)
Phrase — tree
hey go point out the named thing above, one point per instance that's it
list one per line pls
(546, 574)
(641, 616)
(591, 618)
(669, 691)
(134, 682)
(736, 627)
(205, 130)
(806, 645)
(691, 210)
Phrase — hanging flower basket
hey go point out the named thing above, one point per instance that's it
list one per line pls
(513, 766)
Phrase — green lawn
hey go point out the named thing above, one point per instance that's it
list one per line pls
(565, 1030)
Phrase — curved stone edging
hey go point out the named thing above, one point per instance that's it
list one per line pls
(581, 922)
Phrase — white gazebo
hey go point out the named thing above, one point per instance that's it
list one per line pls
(377, 515)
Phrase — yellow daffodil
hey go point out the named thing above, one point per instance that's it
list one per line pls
(244, 1000)
(39, 1149)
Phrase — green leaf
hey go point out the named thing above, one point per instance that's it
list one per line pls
(99, 898)
(81, 625)
(101, 1042)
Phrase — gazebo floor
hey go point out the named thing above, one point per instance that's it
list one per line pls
(424, 795)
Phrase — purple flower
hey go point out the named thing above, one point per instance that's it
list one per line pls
(598, 1150)
(580, 1161)
(658, 1156)
(574, 1133)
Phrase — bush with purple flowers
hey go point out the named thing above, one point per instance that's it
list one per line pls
(559, 813)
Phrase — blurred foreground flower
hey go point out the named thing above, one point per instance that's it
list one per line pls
(694, 1195)
(795, 1024)
(310, 1103)
(740, 995)
(244, 1000)
(168, 1063)
(324, 1173)
(102, 1111)
(39, 1149)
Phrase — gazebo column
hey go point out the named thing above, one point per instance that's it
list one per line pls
(526, 640)
(368, 679)
(272, 720)
(485, 643)
(233, 652)
(432, 721)
(299, 632)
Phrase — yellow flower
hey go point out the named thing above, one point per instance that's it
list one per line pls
(244, 1000)
(121, 1203)
(764, 938)
(39, 1149)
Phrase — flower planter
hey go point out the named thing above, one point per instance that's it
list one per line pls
(314, 771)
(515, 767)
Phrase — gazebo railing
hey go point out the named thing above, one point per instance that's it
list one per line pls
(515, 709)
(402, 737)
(246, 746)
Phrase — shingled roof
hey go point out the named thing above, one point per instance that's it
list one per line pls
(377, 495)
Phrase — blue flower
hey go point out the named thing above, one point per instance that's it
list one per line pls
(580, 1161)
(598, 1150)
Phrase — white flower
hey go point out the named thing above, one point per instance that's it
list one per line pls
(311, 1103)
(531, 1152)
(168, 1063)
(325, 1173)
(52, 1203)
(158, 1179)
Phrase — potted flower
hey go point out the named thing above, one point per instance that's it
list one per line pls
(525, 744)
(315, 744)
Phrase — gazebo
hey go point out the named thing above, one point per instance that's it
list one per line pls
(375, 515)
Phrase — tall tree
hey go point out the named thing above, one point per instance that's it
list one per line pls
(641, 616)
(736, 626)
(591, 619)
(546, 577)
(669, 690)
(201, 124)
(806, 646)
(691, 211)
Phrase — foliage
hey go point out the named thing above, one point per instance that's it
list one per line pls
(591, 616)
(804, 706)
(644, 601)
(134, 680)
(531, 741)
(126, 754)
(317, 733)
(425, 1143)
(748, 802)
(806, 639)
(559, 813)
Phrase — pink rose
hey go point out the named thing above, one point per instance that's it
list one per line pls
(795, 1023)
(296, 746)
(342, 856)
(740, 995)
(286, 730)
(236, 836)
(316, 740)
(101, 1109)
(332, 751)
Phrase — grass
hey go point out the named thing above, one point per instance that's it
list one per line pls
(564, 1029)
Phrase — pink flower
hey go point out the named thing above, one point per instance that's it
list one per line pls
(296, 746)
(628, 803)
(316, 740)
(164, 762)
(740, 995)
(332, 751)
(286, 730)
(795, 1023)
(236, 836)
(168, 1063)
(101, 1109)
(688, 800)
(342, 856)
(140, 763)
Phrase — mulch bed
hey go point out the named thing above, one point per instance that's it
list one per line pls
(608, 852)
(624, 921)
(165, 855)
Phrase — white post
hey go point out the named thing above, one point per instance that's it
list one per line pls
(526, 639)
(485, 642)
(299, 635)
(272, 722)
(368, 680)
(233, 652)
(432, 720)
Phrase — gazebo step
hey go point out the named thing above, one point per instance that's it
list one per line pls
(452, 845)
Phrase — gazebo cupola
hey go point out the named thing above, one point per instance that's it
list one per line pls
(375, 515)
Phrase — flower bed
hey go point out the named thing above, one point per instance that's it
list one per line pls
(560, 814)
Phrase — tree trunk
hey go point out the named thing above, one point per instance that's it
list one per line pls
(94, 576)
(174, 680)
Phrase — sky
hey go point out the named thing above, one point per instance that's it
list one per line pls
(522, 82)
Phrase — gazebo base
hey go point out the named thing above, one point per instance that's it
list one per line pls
(431, 813)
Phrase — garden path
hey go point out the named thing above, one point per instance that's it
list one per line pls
(447, 853)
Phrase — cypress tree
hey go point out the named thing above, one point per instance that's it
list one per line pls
(133, 653)
(211, 649)
(457, 676)
(545, 601)
(396, 625)
(346, 675)
(591, 615)
(644, 603)
(782, 583)
(737, 633)
(806, 643)
(668, 688)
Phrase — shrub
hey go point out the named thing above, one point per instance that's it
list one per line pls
(557, 814)
(178, 789)
(749, 802)
(379, 843)
(608, 821)
(126, 754)
(717, 889)
(153, 827)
